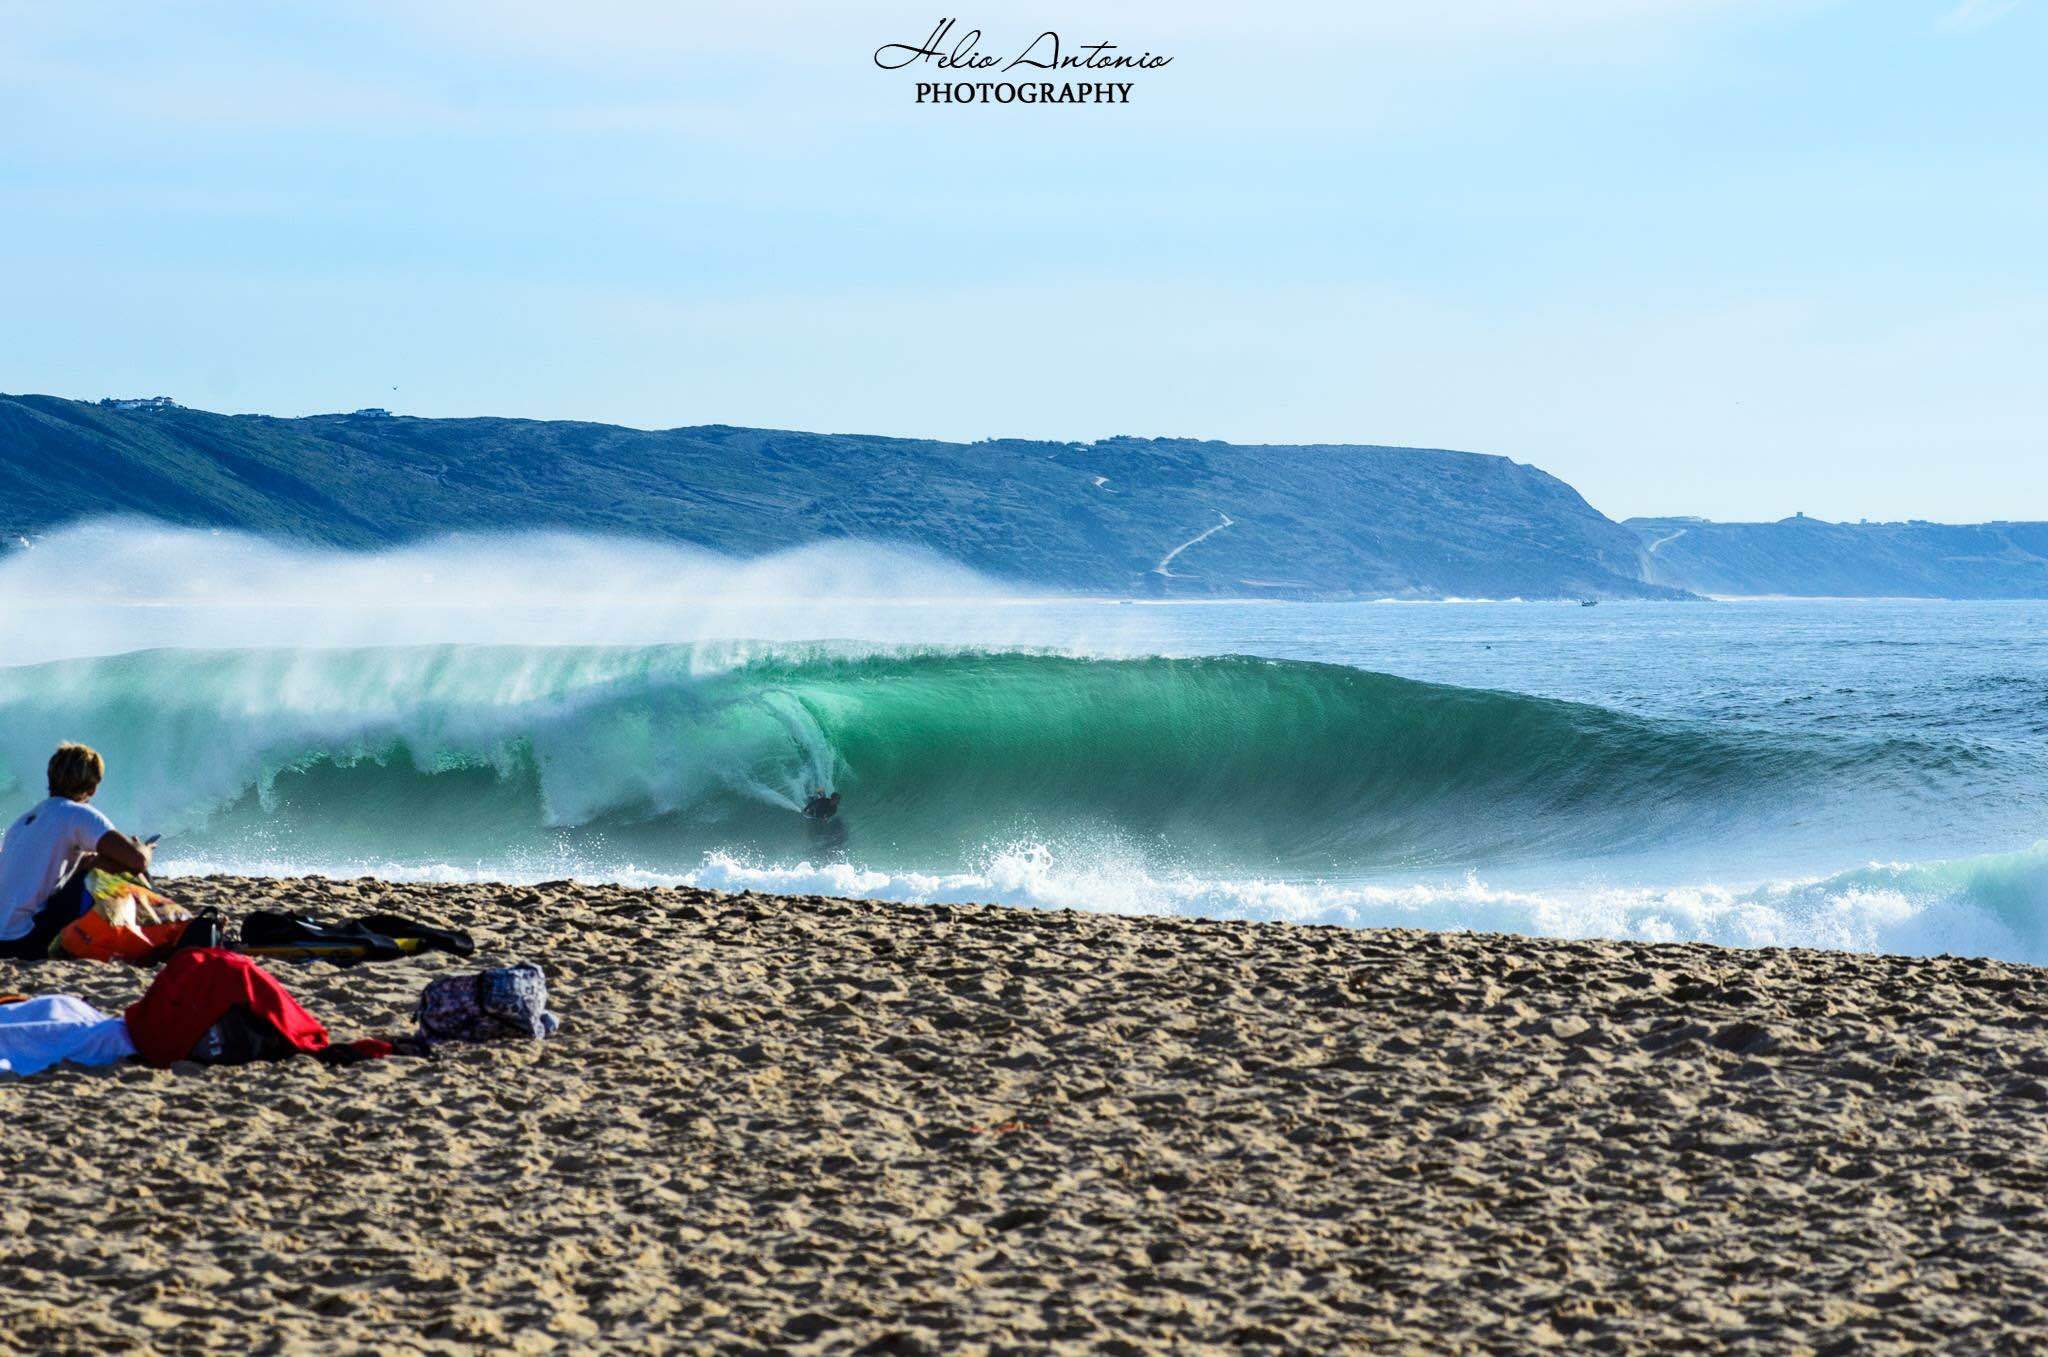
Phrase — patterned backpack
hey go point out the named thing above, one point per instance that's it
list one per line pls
(511, 1001)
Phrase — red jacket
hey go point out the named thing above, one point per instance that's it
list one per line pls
(196, 988)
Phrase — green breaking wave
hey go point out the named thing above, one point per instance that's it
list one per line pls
(663, 753)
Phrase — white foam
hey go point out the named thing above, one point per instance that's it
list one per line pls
(149, 585)
(1990, 906)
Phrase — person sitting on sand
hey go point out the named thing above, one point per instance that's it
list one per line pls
(55, 843)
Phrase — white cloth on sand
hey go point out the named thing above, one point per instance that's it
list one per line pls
(38, 1033)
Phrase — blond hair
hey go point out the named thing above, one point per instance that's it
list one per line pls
(75, 771)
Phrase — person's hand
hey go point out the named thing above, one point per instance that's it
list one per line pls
(121, 852)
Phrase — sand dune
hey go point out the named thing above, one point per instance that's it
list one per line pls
(825, 1125)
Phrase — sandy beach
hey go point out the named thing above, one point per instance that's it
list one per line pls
(803, 1124)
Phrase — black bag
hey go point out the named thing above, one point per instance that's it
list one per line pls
(374, 937)
(240, 1038)
(204, 930)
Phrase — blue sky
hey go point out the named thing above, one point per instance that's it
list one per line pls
(1695, 256)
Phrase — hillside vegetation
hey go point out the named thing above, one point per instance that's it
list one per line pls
(1121, 516)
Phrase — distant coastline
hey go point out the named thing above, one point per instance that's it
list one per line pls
(1810, 558)
(1137, 518)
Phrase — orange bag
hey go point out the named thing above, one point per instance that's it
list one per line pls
(126, 922)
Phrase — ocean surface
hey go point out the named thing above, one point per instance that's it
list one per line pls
(1850, 774)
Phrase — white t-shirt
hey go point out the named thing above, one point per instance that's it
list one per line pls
(39, 849)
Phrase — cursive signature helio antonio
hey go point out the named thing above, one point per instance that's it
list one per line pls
(1045, 53)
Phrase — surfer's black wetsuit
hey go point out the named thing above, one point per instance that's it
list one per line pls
(828, 831)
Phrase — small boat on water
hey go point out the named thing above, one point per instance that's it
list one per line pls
(1589, 603)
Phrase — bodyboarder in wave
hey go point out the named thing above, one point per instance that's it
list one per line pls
(828, 831)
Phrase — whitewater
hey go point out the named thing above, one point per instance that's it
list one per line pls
(1862, 775)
